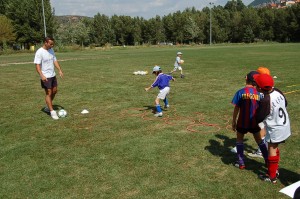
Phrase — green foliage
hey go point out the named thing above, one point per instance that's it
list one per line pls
(27, 18)
(6, 31)
(231, 23)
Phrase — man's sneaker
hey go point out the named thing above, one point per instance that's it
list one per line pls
(54, 115)
(267, 178)
(158, 114)
(255, 154)
(46, 109)
(167, 106)
(238, 165)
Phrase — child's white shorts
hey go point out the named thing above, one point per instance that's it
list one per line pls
(163, 93)
(177, 67)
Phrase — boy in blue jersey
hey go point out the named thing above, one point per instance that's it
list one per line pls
(246, 101)
(162, 82)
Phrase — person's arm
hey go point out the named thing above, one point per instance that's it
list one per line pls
(234, 117)
(56, 64)
(39, 71)
(263, 109)
(148, 88)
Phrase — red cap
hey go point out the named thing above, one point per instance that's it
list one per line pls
(264, 81)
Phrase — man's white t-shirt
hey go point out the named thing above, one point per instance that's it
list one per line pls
(46, 59)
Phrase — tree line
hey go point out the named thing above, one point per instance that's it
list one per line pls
(22, 22)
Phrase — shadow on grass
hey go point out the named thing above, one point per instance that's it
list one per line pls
(55, 107)
(221, 147)
(153, 108)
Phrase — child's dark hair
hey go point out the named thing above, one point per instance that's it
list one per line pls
(157, 72)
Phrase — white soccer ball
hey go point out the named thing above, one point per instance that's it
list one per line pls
(62, 113)
(182, 61)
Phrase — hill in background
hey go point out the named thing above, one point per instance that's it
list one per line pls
(256, 3)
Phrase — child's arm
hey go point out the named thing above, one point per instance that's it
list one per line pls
(148, 88)
(234, 116)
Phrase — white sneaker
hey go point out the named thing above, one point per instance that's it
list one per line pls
(167, 106)
(233, 150)
(255, 154)
(158, 114)
(54, 115)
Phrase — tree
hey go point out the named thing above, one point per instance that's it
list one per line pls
(81, 33)
(102, 30)
(3, 4)
(6, 31)
(248, 36)
(27, 19)
(191, 30)
(267, 20)
(281, 26)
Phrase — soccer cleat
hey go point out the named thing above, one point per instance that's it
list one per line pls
(182, 76)
(158, 114)
(267, 178)
(167, 106)
(54, 115)
(255, 154)
(238, 165)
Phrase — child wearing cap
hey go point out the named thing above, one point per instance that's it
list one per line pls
(272, 111)
(177, 64)
(162, 82)
(246, 101)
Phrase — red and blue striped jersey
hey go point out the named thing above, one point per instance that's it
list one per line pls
(247, 100)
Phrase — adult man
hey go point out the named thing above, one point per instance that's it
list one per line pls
(45, 61)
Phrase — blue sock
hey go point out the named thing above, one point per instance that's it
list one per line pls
(158, 108)
(263, 148)
(240, 152)
(166, 102)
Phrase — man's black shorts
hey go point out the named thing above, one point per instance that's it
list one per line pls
(50, 83)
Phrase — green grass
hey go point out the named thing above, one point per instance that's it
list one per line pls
(119, 150)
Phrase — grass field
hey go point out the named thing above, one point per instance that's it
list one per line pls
(119, 150)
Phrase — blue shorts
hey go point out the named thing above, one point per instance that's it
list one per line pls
(50, 83)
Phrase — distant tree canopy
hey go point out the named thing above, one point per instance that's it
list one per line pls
(232, 23)
(27, 19)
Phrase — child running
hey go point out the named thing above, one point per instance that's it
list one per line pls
(162, 82)
(272, 111)
(246, 101)
(177, 64)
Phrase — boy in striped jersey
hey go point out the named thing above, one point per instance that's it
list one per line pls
(246, 101)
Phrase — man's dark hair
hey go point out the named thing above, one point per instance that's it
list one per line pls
(46, 39)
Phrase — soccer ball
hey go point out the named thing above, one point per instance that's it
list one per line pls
(182, 61)
(62, 113)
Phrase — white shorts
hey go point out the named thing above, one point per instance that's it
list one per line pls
(177, 67)
(163, 93)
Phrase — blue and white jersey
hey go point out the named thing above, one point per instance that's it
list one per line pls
(162, 81)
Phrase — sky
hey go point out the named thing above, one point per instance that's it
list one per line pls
(141, 8)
